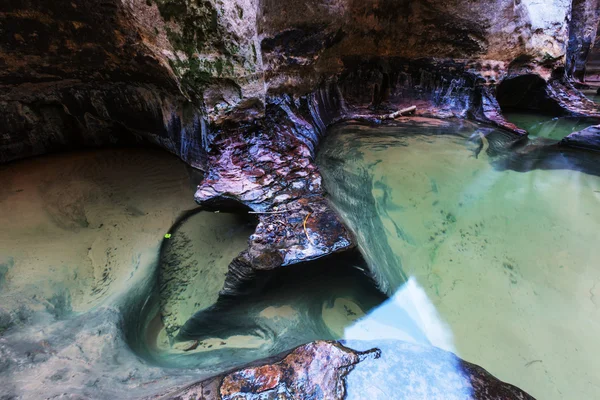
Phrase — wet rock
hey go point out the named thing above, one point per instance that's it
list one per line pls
(588, 138)
(269, 169)
(87, 73)
(582, 34)
(53, 116)
(328, 370)
(592, 70)
(313, 371)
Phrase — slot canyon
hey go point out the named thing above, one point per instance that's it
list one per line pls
(277, 199)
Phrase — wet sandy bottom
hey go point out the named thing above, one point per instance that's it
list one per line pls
(194, 264)
(93, 295)
(79, 245)
(77, 227)
(508, 260)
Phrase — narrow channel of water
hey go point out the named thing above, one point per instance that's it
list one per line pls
(499, 266)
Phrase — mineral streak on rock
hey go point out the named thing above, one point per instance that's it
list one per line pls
(269, 168)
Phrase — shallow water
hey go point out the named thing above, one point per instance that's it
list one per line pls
(96, 300)
(276, 312)
(79, 247)
(499, 266)
(545, 126)
(76, 227)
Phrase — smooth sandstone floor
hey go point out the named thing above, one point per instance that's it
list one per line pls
(77, 226)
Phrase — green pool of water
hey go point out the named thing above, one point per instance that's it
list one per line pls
(545, 126)
(499, 266)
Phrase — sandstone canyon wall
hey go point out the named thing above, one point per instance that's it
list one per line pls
(78, 73)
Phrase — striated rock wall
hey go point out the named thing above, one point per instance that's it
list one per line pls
(583, 25)
(218, 62)
(592, 70)
(311, 37)
(90, 73)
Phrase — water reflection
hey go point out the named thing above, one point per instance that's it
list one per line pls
(508, 259)
(549, 127)
(408, 316)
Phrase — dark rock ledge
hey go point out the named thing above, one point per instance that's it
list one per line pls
(267, 166)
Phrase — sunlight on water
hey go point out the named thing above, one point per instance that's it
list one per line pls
(508, 259)
(409, 316)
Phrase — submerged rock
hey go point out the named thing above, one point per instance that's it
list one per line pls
(588, 138)
(269, 169)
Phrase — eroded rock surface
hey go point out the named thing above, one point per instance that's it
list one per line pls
(113, 71)
(271, 171)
